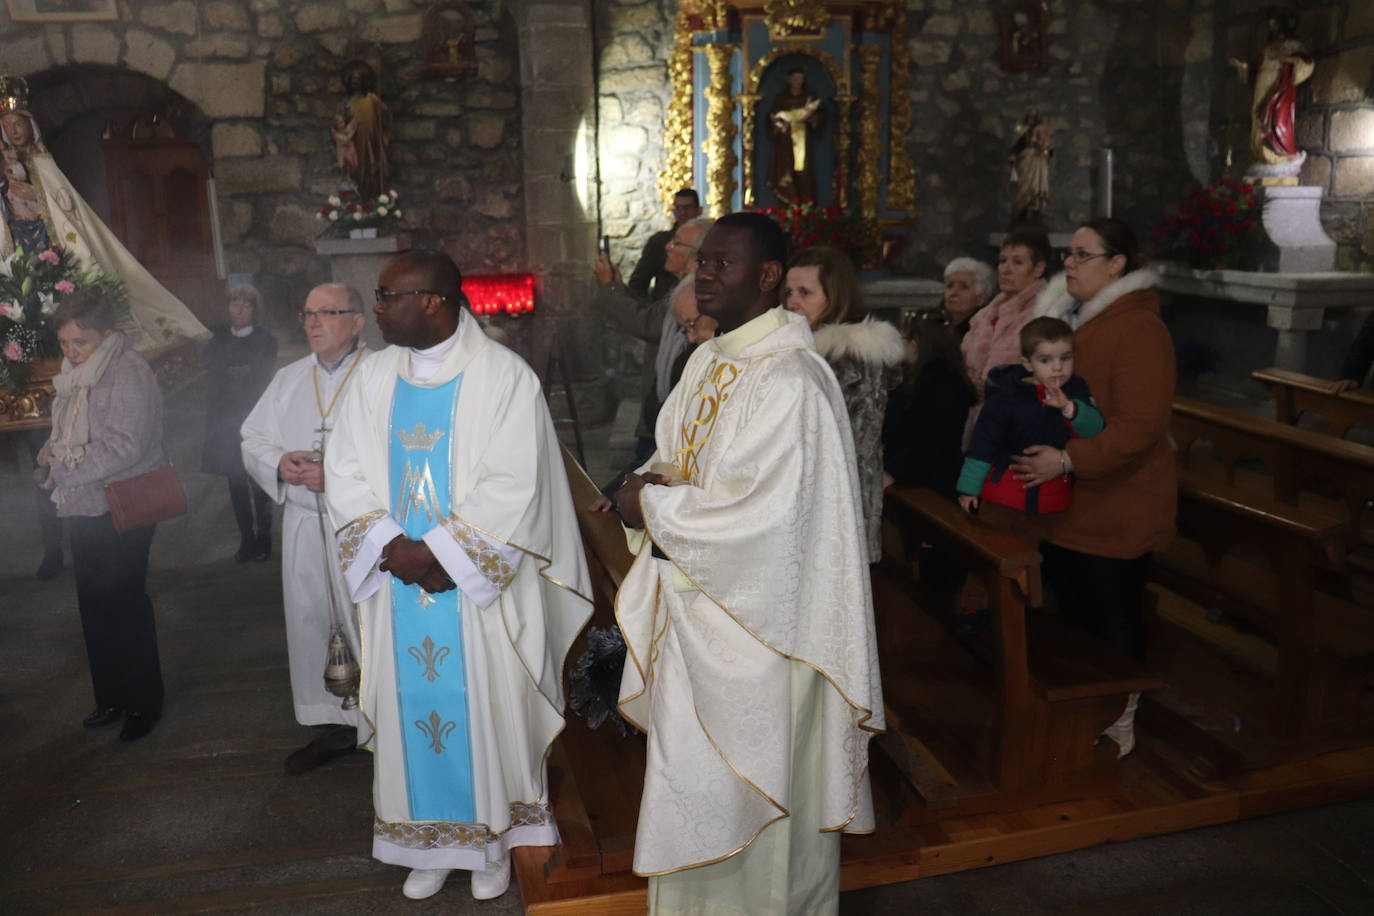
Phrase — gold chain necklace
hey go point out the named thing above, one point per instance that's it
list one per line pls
(315, 383)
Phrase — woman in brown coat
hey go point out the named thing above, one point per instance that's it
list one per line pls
(1096, 555)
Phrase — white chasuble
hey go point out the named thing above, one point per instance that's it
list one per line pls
(462, 688)
(762, 567)
(287, 419)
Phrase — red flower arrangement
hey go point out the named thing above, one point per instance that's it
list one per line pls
(1216, 227)
(808, 225)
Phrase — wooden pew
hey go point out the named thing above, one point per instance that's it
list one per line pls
(1309, 469)
(1296, 394)
(1241, 628)
(997, 723)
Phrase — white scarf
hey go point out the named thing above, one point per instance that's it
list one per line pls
(71, 430)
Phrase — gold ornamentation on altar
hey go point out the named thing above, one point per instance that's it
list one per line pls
(417, 440)
(870, 122)
(437, 729)
(677, 136)
(720, 131)
(901, 176)
(430, 656)
(788, 16)
(711, 394)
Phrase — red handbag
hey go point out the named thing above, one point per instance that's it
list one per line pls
(146, 499)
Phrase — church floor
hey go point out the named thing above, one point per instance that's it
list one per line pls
(198, 816)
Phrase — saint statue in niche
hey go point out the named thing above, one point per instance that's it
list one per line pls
(361, 131)
(1030, 168)
(795, 122)
(1274, 73)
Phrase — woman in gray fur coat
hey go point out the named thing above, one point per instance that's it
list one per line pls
(865, 354)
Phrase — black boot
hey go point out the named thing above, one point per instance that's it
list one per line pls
(241, 501)
(262, 547)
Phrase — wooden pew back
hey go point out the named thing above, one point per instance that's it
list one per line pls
(1296, 394)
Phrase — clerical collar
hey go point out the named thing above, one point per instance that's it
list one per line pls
(340, 361)
(241, 332)
(752, 331)
(424, 363)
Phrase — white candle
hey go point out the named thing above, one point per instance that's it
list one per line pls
(1104, 182)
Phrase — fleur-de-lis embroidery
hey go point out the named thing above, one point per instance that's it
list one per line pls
(437, 729)
(426, 655)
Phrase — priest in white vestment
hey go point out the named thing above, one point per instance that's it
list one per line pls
(284, 440)
(458, 538)
(747, 613)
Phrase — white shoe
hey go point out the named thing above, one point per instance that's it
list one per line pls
(1122, 731)
(492, 881)
(425, 882)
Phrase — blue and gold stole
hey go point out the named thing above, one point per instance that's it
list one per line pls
(431, 680)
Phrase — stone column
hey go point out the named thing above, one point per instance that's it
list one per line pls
(558, 98)
(1294, 327)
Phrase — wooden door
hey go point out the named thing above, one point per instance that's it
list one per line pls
(159, 210)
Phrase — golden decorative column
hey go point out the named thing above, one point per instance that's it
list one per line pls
(677, 134)
(748, 107)
(901, 177)
(844, 103)
(719, 144)
(870, 123)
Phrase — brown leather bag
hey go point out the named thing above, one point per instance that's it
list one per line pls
(146, 499)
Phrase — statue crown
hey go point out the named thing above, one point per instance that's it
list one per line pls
(14, 93)
(418, 440)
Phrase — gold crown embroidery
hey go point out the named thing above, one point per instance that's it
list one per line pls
(417, 440)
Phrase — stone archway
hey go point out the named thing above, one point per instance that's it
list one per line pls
(74, 104)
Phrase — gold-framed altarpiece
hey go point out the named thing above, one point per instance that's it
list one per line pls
(739, 127)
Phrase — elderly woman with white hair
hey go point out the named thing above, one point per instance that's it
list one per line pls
(969, 284)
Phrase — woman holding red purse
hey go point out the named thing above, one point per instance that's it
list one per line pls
(107, 427)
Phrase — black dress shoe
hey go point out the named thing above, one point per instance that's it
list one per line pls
(108, 715)
(245, 553)
(50, 567)
(136, 725)
(314, 755)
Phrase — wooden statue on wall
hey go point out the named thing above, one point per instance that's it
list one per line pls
(450, 41)
(361, 131)
(1030, 168)
(795, 120)
(1274, 74)
(1023, 25)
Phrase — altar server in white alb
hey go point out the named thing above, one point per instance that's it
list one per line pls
(458, 538)
(747, 613)
(284, 439)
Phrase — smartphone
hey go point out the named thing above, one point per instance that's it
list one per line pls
(605, 245)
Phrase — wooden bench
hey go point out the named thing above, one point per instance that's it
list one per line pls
(1296, 394)
(1266, 666)
(993, 723)
(1306, 469)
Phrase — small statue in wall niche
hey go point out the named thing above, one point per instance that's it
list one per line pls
(450, 41)
(361, 131)
(1030, 167)
(1274, 74)
(796, 120)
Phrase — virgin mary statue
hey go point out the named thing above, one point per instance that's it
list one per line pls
(41, 209)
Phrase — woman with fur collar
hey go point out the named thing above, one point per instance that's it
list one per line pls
(1096, 555)
(864, 354)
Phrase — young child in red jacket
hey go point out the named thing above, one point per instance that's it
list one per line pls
(1049, 407)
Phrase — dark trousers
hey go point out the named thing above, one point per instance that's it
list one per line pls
(111, 571)
(252, 510)
(1102, 595)
(49, 525)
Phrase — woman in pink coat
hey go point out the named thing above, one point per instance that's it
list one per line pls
(994, 334)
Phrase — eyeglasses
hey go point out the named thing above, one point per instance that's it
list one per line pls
(306, 314)
(674, 243)
(1079, 256)
(689, 324)
(383, 295)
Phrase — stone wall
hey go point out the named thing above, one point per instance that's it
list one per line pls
(265, 75)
